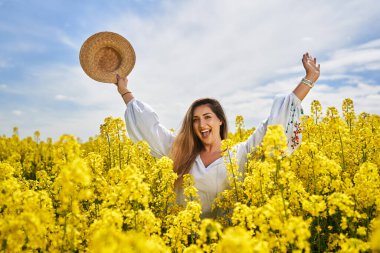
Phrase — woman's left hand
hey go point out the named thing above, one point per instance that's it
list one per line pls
(311, 67)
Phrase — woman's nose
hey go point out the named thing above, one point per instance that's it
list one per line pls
(202, 122)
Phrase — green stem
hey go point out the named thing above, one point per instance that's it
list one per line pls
(64, 234)
(119, 146)
(109, 152)
(341, 146)
(320, 134)
(234, 177)
(319, 235)
(261, 187)
(281, 187)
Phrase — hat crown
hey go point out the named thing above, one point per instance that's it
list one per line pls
(107, 59)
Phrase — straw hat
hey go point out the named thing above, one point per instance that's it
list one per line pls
(105, 54)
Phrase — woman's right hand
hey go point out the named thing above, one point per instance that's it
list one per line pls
(122, 84)
(122, 88)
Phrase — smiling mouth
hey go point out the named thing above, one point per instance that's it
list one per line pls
(205, 133)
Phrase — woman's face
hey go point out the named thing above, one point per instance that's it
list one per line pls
(206, 125)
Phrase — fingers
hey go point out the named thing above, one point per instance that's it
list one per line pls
(307, 58)
(119, 79)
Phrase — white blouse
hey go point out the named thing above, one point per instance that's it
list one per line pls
(143, 124)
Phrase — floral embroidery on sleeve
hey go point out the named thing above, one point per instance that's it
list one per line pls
(295, 140)
(294, 126)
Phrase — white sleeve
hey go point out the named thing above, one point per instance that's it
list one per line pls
(287, 111)
(143, 124)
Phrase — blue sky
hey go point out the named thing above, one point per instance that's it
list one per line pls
(240, 52)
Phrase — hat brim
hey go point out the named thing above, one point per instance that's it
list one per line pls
(105, 54)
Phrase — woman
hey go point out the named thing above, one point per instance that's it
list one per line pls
(196, 148)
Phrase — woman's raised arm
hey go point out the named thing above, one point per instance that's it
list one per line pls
(286, 111)
(143, 123)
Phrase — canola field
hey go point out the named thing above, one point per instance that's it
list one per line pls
(110, 195)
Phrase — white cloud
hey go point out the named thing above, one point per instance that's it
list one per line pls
(70, 83)
(17, 112)
(307, 38)
(3, 86)
(63, 97)
(66, 40)
(375, 66)
(352, 60)
(371, 44)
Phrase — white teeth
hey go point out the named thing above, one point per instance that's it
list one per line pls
(205, 133)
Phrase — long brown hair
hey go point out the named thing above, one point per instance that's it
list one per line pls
(187, 145)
